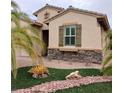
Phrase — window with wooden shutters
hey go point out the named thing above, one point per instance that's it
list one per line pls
(61, 34)
(78, 35)
(70, 35)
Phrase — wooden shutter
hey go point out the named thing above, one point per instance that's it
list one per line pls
(61, 35)
(78, 35)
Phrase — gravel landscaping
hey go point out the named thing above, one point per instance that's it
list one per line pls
(63, 84)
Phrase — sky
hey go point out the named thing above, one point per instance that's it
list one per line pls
(101, 6)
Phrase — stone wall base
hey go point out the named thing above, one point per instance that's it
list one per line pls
(80, 56)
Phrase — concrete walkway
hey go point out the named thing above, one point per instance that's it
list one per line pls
(26, 61)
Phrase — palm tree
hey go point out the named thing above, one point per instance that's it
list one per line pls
(106, 64)
(23, 37)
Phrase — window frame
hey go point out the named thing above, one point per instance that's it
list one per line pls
(70, 35)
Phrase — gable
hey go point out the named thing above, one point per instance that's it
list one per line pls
(41, 16)
(101, 18)
(47, 6)
(56, 12)
(74, 18)
(75, 11)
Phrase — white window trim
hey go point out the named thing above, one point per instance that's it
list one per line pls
(69, 35)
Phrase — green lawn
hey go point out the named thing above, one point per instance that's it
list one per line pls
(24, 80)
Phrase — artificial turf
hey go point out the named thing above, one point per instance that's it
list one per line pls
(25, 80)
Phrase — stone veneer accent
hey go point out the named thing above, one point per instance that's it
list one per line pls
(80, 55)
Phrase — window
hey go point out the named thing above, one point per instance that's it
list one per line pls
(69, 35)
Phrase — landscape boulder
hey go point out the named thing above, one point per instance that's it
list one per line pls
(74, 75)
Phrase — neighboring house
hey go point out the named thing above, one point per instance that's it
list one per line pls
(72, 34)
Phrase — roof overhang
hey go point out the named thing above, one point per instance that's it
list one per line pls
(35, 23)
(47, 6)
(102, 18)
(103, 21)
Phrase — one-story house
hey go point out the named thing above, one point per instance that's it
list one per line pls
(72, 34)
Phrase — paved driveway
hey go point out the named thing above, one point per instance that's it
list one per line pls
(26, 61)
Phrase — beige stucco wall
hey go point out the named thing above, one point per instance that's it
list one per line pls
(91, 33)
(40, 16)
(41, 19)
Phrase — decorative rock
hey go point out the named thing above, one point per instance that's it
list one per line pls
(44, 75)
(80, 56)
(35, 75)
(53, 86)
(39, 76)
(73, 75)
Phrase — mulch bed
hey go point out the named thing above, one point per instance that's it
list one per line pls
(63, 84)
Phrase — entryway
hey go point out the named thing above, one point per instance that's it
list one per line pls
(45, 34)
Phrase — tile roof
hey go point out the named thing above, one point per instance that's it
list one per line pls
(36, 23)
(102, 18)
(76, 10)
(46, 6)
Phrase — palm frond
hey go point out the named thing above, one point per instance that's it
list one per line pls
(40, 42)
(20, 33)
(42, 47)
(33, 30)
(14, 6)
(24, 37)
(107, 59)
(14, 18)
(28, 50)
(106, 64)
(107, 70)
(13, 59)
(108, 39)
(24, 17)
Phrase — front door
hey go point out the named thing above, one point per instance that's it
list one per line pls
(46, 39)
